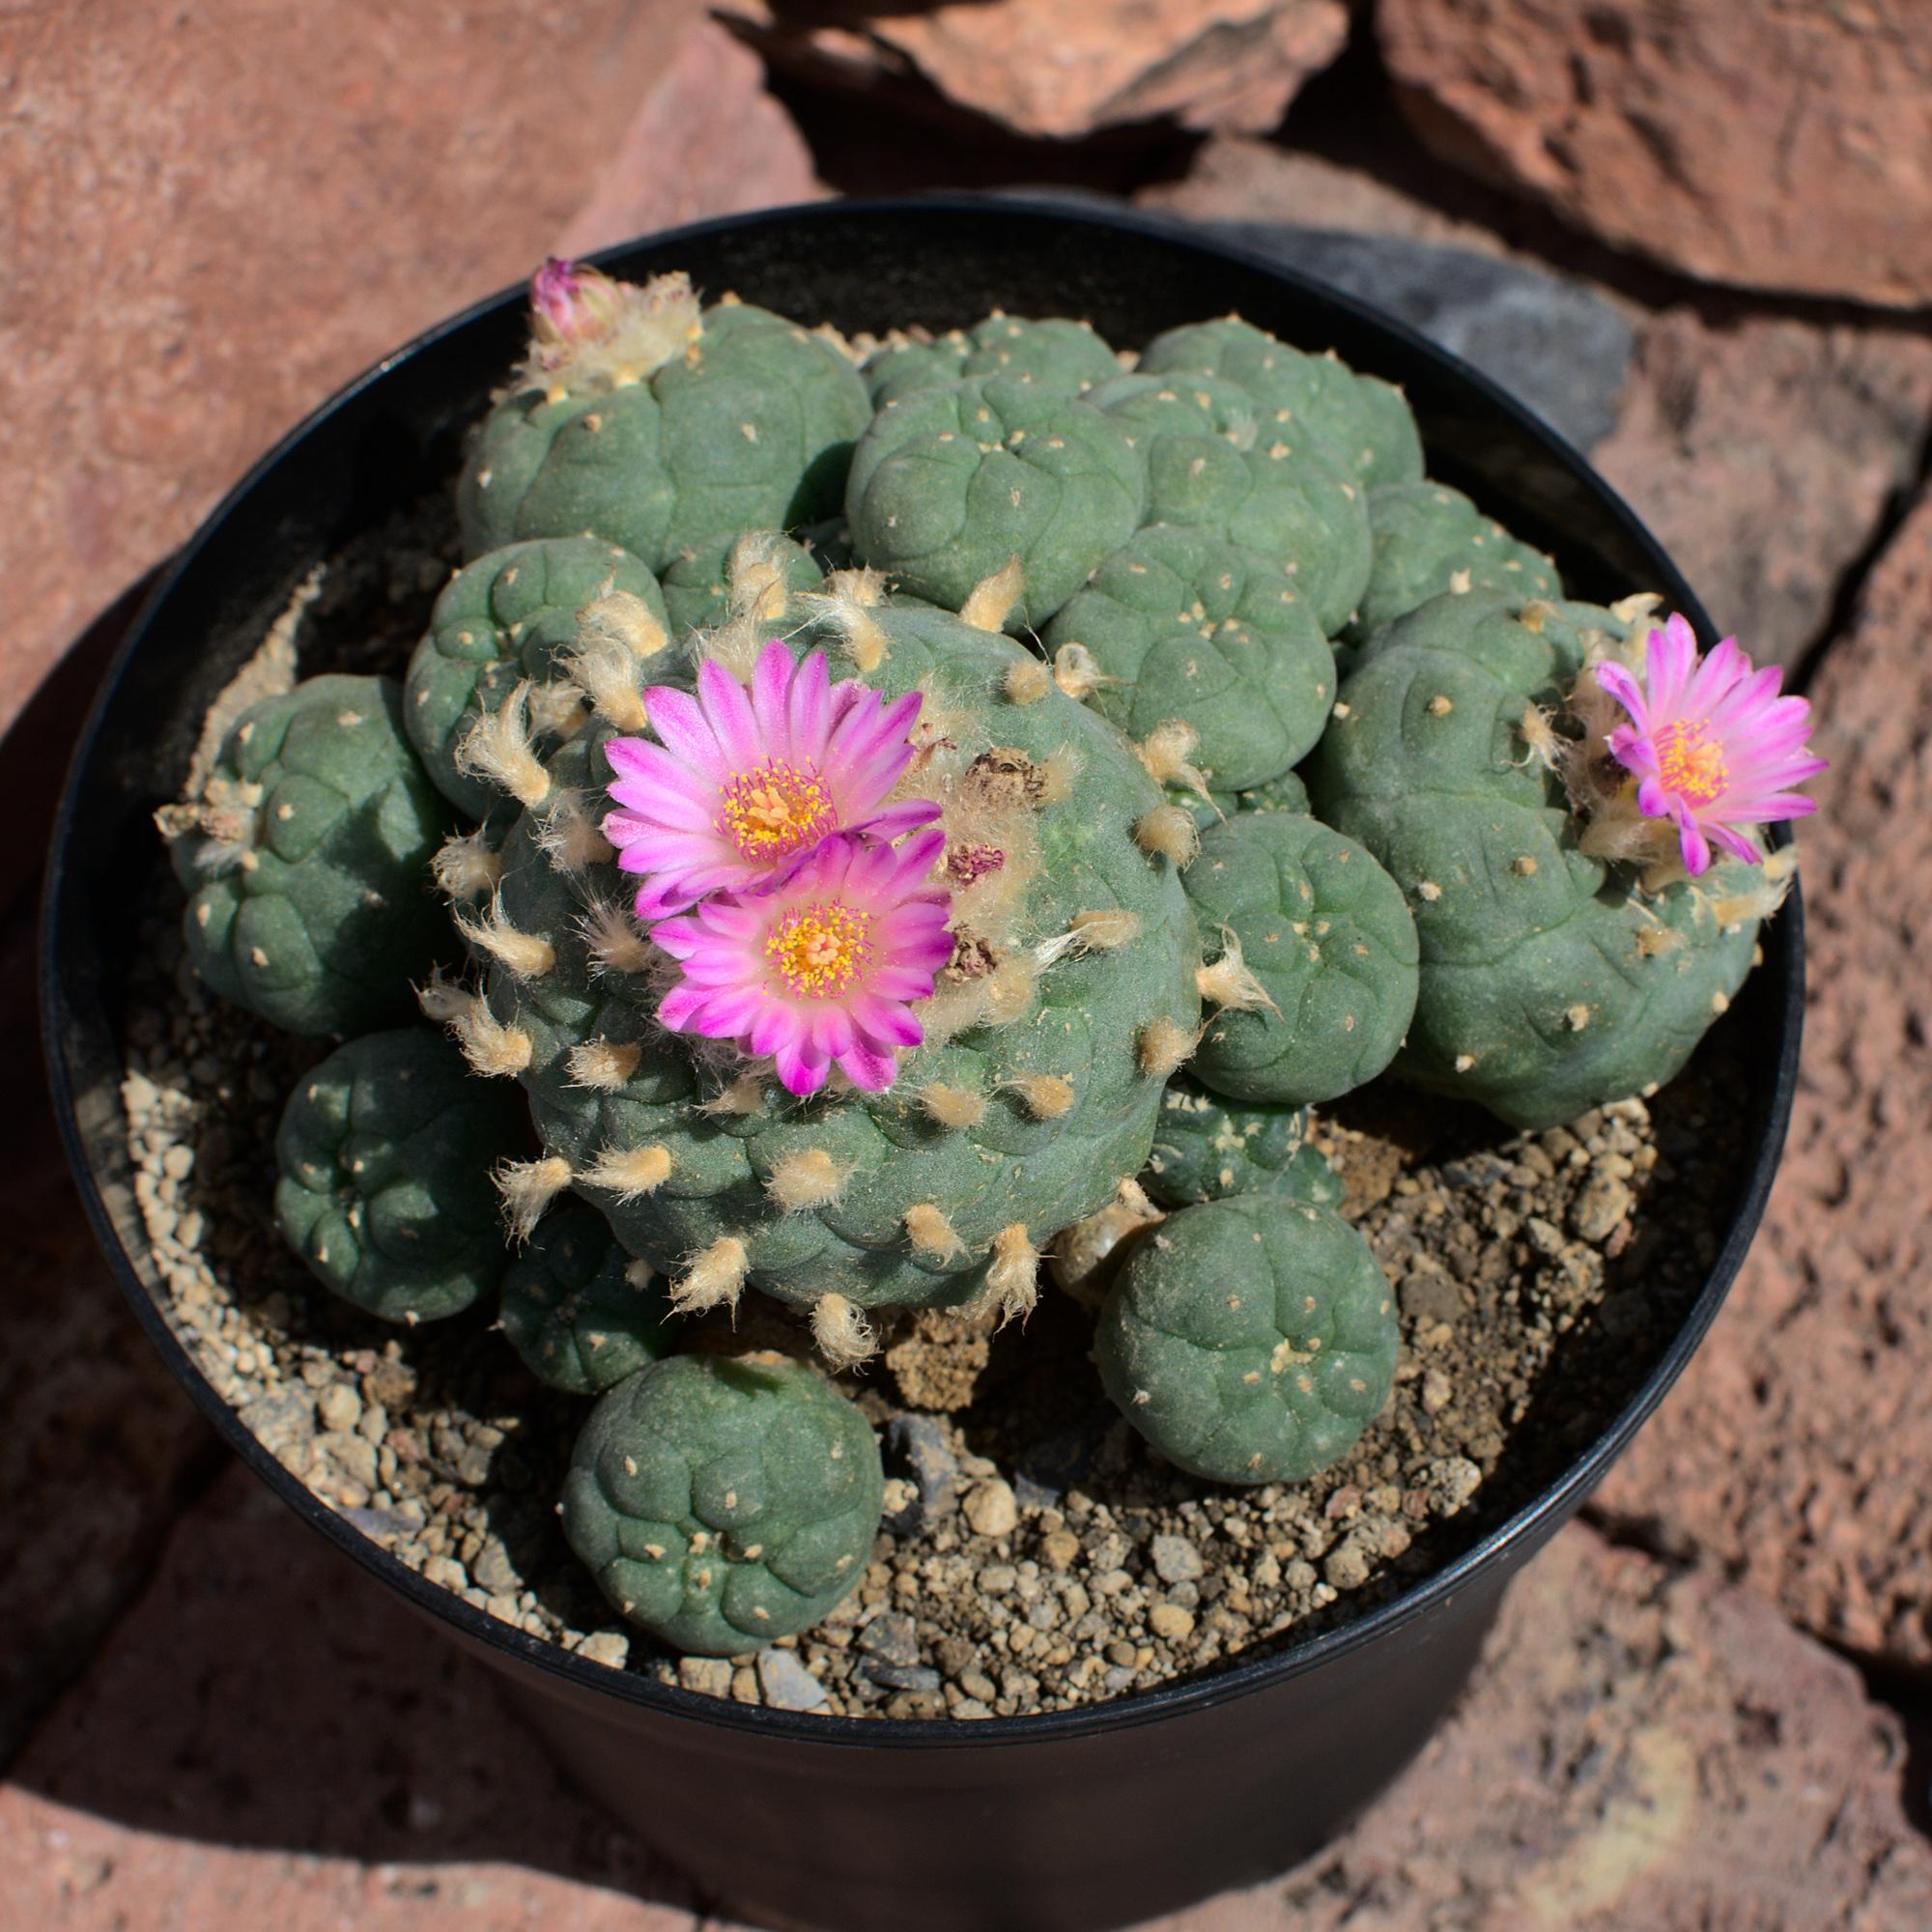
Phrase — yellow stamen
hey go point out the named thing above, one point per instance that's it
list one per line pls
(1690, 765)
(776, 809)
(819, 951)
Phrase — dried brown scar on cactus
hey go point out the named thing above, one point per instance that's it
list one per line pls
(950, 1106)
(497, 748)
(603, 1066)
(992, 600)
(466, 868)
(931, 1233)
(613, 940)
(1166, 750)
(629, 1173)
(528, 1189)
(806, 1178)
(841, 1332)
(1229, 980)
(1168, 831)
(714, 1278)
(1161, 1046)
(529, 955)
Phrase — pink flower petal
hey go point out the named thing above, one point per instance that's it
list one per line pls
(869, 1072)
(727, 710)
(677, 720)
(1736, 845)
(1624, 689)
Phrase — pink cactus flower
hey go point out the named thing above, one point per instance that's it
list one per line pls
(745, 785)
(569, 303)
(1710, 743)
(821, 970)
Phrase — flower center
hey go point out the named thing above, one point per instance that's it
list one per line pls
(819, 951)
(776, 810)
(1690, 765)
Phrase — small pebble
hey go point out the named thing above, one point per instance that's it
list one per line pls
(1171, 1621)
(787, 1684)
(992, 1509)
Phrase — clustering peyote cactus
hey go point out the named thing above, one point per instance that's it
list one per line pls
(725, 1500)
(1251, 1339)
(385, 1153)
(304, 858)
(645, 420)
(831, 947)
(1551, 980)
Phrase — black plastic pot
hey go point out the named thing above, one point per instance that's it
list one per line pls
(1070, 1820)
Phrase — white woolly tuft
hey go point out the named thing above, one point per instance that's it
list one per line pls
(556, 709)
(497, 748)
(1027, 681)
(1013, 1281)
(652, 324)
(1168, 831)
(1047, 1095)
(1228, 980)
(952, 1106)
(1161, 1047)
(806, 1178)
(528, 1189)
(713, 1279)
(846, 604)
(991, 600)
(528, 954)
(744, 1095)
(841, 1333)
(1077, 671)
(611, 938)
(569, 838)
(465, 868)
(629, 1173)
(608, 670)
(1166, 750)
(604, 1066)
(931, 1233)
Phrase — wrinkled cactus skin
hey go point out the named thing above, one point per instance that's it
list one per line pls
(723, 1501)
(386, 1150)
(1250, 1340)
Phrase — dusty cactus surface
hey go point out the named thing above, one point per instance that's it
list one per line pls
(873, 818)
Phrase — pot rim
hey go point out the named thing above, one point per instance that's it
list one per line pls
(1522, 1529)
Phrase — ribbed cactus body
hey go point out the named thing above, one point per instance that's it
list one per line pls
(1550, 982)
(386, 1150)
(750, 429)
(307, 868)
(1251, 1341)
(722, 1501)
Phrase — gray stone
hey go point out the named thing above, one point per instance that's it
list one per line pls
(1175, 1560)
(900, 1676)
(891, 1637)
(787, 1684)
(917, 1445)
(1560, 349)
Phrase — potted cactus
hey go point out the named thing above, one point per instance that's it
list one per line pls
(877, 832)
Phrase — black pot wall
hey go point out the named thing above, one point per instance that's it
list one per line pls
(1049, 1824)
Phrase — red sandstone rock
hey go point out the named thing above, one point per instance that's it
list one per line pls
(1639, 1751)
(216, 214)
(1795, 1449)
(1064, 68)
(1764, 453)
(1772, 145)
